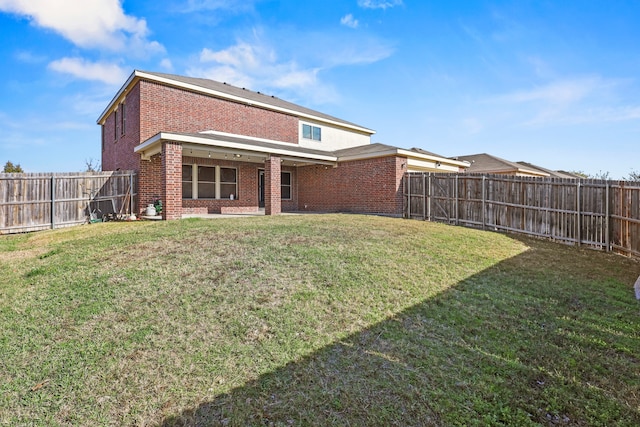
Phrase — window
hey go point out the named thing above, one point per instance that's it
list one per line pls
(228, 181)
(122, 118)
(115, 125)
(187, 181)
(206, 182)
(102, 135)
(285, 185)
(209, 182)
(311, 132)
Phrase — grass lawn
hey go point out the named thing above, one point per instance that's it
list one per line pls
(313, 320)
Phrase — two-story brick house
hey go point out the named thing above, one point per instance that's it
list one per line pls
(208, 147)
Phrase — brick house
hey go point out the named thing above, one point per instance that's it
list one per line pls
(203, 146)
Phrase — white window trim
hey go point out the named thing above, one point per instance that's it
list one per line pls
(194, 182)
(290, 185)
(312, 127)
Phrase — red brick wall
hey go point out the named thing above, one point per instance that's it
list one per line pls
(170, 109)
(150, 187)
(149, 182)
(118, 152)
(171, 180)
(272, 191)
(363, 186)
(246, 199)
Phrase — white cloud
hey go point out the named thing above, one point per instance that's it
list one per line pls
(201, 5)
(99, 71)
(572, 101)
(29, 57)
(556, 93)
(348, 21)
(379, 4)
(87, 23)
(290, 66)
(166, 64)
(256, 67)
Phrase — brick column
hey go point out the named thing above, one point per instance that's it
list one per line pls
(272, 197)
(171, 180)
(149, 182)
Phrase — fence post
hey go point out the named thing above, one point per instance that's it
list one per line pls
(484, 209)
(430, 194)
(456, 203)
(408, 196)
(424, 197)
(131, 193)
(579, 212)
(53, 202)
(606, 219)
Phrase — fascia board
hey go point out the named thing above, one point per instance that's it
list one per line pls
(364, 156)
(533, 172)
(442, 160)
(409, 155)
(149, 144)
(125, 87)
(137, 75)
(430, 165)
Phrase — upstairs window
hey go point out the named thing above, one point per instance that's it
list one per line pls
(311, 132)
(122, 118)
(115, 125)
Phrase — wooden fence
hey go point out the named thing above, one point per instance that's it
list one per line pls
(37, 201)
(595, 213)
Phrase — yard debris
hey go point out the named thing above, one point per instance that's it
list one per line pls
(39, 385)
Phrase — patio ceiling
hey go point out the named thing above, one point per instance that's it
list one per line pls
(231, 147)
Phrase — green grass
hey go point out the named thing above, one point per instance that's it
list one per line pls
(313, 320)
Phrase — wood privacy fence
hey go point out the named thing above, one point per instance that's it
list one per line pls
(595, 213)
(37, 201)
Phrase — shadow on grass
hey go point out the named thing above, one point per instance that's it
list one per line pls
(533, 340)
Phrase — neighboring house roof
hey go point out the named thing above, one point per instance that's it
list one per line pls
(206, 143)
(570, 174)
(554, 174)
(229, 92)
(421, 151)
(486, 163)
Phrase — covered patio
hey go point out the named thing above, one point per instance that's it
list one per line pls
(218, 173)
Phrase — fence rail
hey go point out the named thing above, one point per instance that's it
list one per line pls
(599, 214)
(37, 201)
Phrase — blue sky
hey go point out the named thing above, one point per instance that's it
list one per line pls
(555, 83)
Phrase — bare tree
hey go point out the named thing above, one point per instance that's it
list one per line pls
(633, 176)
(92, 165)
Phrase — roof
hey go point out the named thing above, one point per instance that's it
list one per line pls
(421, 151)
(256, 147)
(229, 92)
(555, 174)
(486, 163)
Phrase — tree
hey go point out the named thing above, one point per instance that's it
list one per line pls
(92, 165)
(633, 176)
(11, 168)
(600, 175)
(581, 174)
